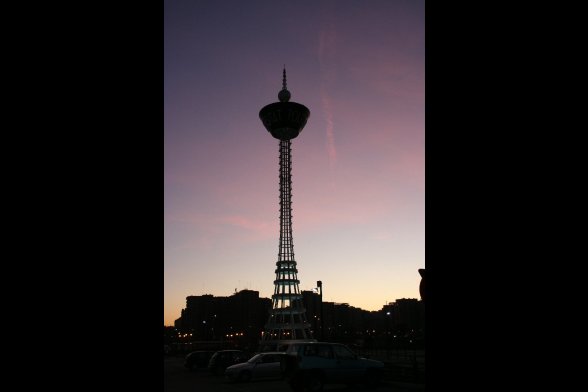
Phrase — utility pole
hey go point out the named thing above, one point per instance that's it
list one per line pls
(319, 284)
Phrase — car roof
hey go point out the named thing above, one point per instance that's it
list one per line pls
(271, 352)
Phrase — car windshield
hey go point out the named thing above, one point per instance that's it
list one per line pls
(255, 358)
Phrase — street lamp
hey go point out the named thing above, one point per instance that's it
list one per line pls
(319, 284)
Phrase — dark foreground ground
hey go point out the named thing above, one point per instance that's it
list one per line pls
(401, 376)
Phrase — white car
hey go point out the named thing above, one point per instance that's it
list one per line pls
(261, 366)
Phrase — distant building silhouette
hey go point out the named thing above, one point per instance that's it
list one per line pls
(217, 318)
(405, 315)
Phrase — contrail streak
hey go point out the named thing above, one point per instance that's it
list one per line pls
(326, 50)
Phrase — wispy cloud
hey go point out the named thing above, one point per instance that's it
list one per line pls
(257, 229)
(207, 229)
(383, 236)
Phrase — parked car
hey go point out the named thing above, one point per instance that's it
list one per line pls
(309, 366)
(197, 359)
(221, 360)
(265, 365)
(281, 345)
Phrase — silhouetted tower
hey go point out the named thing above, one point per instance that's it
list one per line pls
(287, 320)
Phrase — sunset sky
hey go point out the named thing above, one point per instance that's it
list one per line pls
(358, 175)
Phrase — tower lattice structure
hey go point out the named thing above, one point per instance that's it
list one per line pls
(287, 319)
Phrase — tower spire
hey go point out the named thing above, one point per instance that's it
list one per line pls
(284, 79)
(284, 94)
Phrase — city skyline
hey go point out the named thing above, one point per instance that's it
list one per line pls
(245, 313)
(383, 306)
(358, 166)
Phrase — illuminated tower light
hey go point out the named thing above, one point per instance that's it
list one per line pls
(287, 320)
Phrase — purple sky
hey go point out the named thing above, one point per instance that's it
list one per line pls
(358, 176)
